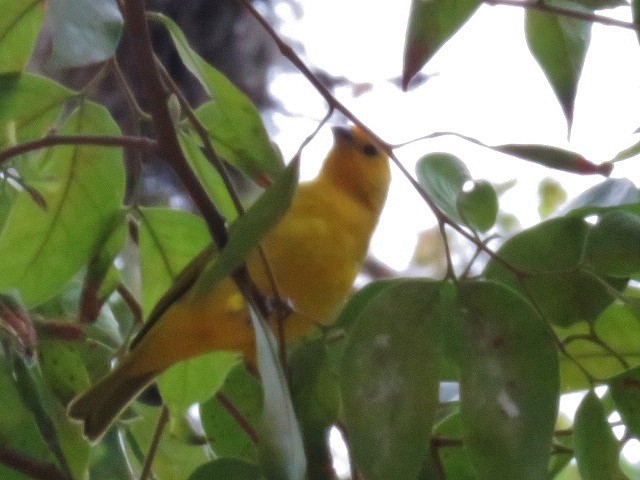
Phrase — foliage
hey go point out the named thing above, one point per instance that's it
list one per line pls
(553, 309)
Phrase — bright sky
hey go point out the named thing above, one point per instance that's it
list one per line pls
(486, 85)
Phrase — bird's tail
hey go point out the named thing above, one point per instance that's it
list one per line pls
(99, 406)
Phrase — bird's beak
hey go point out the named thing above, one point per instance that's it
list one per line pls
(341, 134)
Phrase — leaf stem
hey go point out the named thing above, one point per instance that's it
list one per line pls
(29, 466)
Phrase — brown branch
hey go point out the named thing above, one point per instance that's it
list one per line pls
(566, 12)
(132, 303)
(29, 466)
(124, 141)
(155, 443)
(240, 419)
(137, 29)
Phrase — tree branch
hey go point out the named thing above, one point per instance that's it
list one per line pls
(141, 143)
(30, 466)
(566, 12)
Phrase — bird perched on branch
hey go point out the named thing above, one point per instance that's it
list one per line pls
(314, 253)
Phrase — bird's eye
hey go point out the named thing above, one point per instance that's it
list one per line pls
(369, 150)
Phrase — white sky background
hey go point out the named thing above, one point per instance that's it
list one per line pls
(486, 85)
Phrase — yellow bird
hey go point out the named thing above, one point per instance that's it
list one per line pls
(314, 252)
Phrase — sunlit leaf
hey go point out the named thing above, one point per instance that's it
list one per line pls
(195, 380)
(431, 24)
(508, 408)
(19, 26)
(30, 106)
(559, 44)
(83, 31)
(551, 195)
(597, 450)
(82, 187)
(389, 380)
(169, 240)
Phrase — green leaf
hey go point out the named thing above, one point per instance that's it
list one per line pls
(234, 123)
(443, 177)
(625, 390)
(281, 446)
(168, 240)
(30, 106)
(548, 258)
(19, 26)
(208, 176)
(612, 193)
(602, 4)
(228, 469)
(454, 459)
(554, 157)
(431, 24)
(316, 399)
(619, 330)
(559, 44)
(18, 428)
(195, 380)
(596, 449)
(635, 14)
(82, 187)
(83, 31)
(613, 245)
(63, 369)
(389, 380)
(178, 456)
(508, 408)
(551, 195)
(247, 231)
(479, 206)
(243, 392)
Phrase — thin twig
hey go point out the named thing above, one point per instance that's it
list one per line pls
(141, 143)
(240, 419)
(132, 303)
(155, 443)
(566, 12)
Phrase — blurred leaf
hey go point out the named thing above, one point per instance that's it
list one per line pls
(108, 459)
(233, 122)
(549, 258)
(596, 449)
(613, 245)
(479, 206)
(30, 105)
(454, 459)
(228, 469)
(508, 409)
(443, 176)
(168, 240)
(625, 390)
(551, 195)
(208, 176)
(612, 193)
(602, 4)
(281, 446)
(635, 15)
(247, 231)
(559, 44)
(41, 255)
(18, 428)
(389, 380)
(619, 328)
(316, 399)
(19, 26)
(83, 31)
(557, 158)
(431, 24)
(241, 390)
(195, 380)
(177, 456)
(63, 369)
